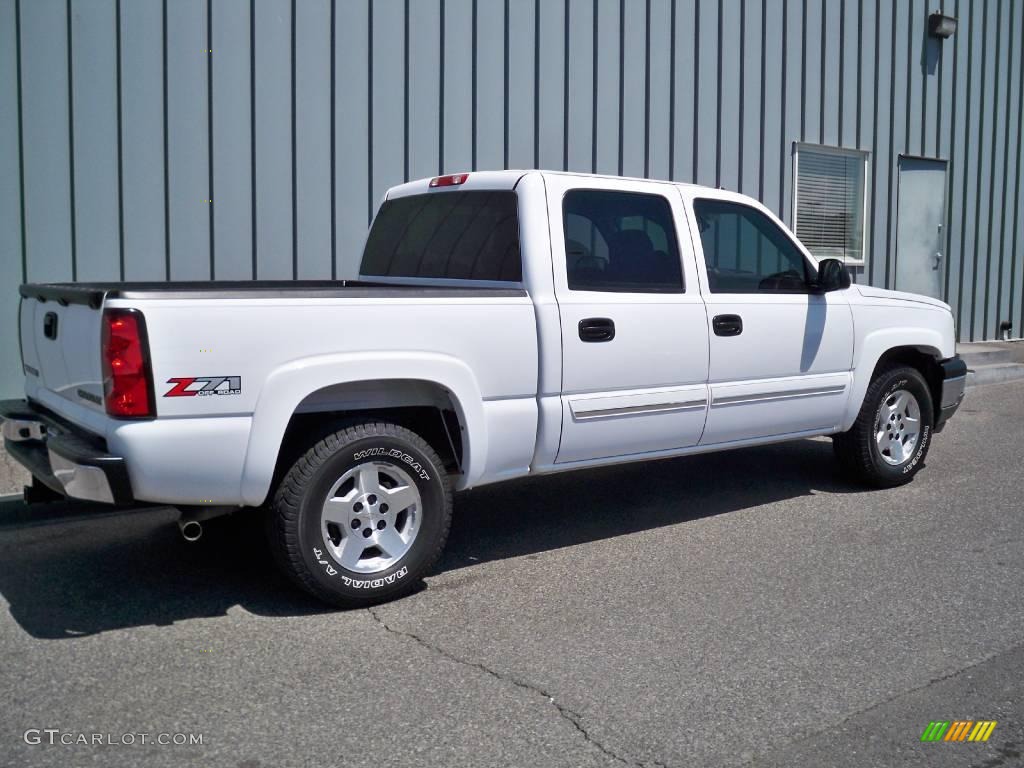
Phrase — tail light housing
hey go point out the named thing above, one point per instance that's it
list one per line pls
(127, 376)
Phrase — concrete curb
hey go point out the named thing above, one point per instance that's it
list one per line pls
(996, 373)
(12, 477)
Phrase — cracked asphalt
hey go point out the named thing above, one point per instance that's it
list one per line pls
(748, 608)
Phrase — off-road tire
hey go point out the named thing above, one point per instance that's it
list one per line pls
(857, 449)
(294, 515)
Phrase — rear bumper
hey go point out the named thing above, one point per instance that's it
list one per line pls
(954, 382)
(63, 457)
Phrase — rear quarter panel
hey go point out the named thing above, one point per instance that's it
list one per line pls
(223, 447)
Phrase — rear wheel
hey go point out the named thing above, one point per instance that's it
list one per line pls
(363, 515)
(887, 444)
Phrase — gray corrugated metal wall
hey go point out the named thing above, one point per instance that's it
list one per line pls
(123, 119)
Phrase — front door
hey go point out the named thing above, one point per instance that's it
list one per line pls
(634, 331)
(780, 354)
(920, 261)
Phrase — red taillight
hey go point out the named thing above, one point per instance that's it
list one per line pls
(127, 383)
(449, 181)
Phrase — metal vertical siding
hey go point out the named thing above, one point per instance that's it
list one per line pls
(551, 87)
(232, 167)
(312, 201)
(46, 142)
(490, 90)
(424, 98)
(188, 174)
(684, 116)
(120, 124)
(10, 197)
(142, 156)
(633, 59)
(750, 123)
(274, 182)
(791, 105)
(955, 60)
(388, 76)
(1016, 286)
(727, 133)
(658, 66)
(773, 155)
(94, 101)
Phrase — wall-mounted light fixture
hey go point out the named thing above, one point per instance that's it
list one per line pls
(941, 26)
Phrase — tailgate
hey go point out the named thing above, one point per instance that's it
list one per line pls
(60, 341)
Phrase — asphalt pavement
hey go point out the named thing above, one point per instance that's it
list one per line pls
(744, 608)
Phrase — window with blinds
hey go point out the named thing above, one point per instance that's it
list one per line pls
(829, 207)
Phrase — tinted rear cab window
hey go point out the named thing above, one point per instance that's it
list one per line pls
(452, 235)
(620, 242)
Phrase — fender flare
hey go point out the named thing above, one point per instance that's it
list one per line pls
(289, 384)
(876, 344)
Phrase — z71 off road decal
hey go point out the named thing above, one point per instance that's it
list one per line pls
(192, 386)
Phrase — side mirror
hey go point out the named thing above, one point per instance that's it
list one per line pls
(832, 276)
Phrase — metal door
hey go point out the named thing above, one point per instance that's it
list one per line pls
(634, 364)
(920, 239)
(779, 357)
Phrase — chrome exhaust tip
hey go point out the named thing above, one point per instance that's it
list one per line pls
(191, 530)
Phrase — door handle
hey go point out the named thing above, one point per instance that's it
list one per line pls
(50, 325)
(938, 259)
(597, 329)
(727, 325)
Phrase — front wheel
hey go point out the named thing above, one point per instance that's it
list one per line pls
(888, 442)
(362, 516)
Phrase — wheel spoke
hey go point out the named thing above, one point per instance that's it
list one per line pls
(369, 481)
(351, 549)
(400, 498)
(350, 496)
(390, 542)
(336, 511)
(906, 402)
(896, 451)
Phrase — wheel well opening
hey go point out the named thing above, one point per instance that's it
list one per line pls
(923, 360)
(422, 407)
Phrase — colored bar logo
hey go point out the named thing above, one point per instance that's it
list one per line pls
(958, 730)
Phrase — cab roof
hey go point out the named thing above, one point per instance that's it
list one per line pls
(506, 179)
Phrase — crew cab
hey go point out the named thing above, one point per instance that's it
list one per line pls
(504, 324)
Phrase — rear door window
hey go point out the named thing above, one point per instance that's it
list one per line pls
(453, 235)
(622, 242)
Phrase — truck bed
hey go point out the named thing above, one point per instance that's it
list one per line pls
(94, 294)
(279, 348)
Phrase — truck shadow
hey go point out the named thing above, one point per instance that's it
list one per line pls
(532, 515)
(71, 571)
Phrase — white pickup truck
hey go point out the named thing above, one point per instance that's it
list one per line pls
(504, 324)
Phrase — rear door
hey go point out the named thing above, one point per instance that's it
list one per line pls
(634, 330)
